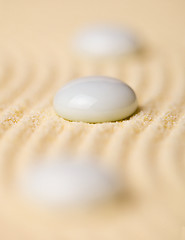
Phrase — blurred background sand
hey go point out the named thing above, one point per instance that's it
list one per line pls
(49, 25)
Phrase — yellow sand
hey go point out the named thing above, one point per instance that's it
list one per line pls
(148, 149)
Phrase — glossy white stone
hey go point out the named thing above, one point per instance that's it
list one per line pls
(95, 99)
(105, 41)
(68, 183)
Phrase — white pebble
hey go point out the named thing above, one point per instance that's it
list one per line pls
(63, 183)
(95, 99)
(105, 41)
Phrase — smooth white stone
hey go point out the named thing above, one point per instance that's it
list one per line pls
(66, 183)
(105, 41)
(95, 99)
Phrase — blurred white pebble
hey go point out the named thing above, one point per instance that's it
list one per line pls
(68, 183)
(101, 41)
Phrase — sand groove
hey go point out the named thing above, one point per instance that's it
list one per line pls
(147, 148)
